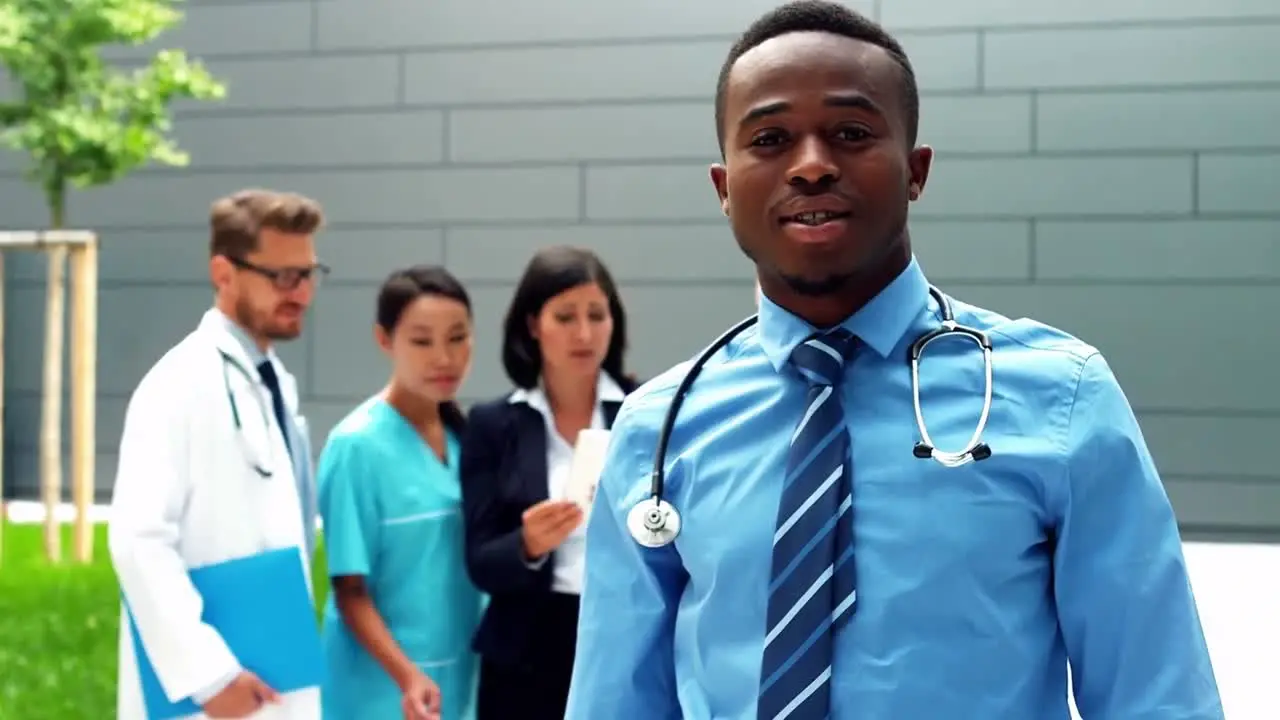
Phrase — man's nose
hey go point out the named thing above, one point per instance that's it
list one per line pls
(302, 293)
(814, 164)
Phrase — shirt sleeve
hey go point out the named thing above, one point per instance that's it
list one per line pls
(211, 691)
(626, 625)
(1125, 603)
(348, 507)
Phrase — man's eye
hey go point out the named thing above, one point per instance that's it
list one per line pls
(767, 138)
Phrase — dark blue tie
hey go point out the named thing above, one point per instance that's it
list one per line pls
(272, 381)
(306, 498)
(811, 593)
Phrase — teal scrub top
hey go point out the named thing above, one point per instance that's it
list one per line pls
(392, 513)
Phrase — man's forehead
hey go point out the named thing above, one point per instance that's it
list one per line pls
(273, 243)
(835, 56)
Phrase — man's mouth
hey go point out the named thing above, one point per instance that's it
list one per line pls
(814, 219)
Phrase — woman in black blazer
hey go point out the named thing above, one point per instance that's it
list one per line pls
(564, 339)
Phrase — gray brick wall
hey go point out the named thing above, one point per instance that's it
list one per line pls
(1107, 167)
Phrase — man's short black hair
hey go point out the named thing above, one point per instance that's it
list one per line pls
(828, 17)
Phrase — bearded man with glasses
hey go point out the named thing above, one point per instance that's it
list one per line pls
(215, 466)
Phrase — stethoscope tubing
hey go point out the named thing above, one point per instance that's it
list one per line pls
(654, 522)
(262, 470)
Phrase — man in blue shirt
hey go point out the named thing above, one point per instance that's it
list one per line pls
(822, 570)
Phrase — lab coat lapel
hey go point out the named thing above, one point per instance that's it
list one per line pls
(212, 325)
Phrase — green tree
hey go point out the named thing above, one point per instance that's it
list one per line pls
(81, 121)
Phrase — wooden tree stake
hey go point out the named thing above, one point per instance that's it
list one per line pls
(84, 371)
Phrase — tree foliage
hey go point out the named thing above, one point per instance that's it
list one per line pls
(79, 119)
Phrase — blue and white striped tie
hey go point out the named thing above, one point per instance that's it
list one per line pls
(811, 593)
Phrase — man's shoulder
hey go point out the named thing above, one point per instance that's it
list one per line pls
(1053, 368)
(646, 408)
(174, 372)
(1046, 345)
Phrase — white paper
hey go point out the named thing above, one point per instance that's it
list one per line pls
(588, 462)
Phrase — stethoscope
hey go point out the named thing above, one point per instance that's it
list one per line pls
(654, 522)
(263, 469)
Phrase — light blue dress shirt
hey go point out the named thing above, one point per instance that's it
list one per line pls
(976, 585)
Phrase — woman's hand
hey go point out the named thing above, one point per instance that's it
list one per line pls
(420, 698)
(547, 524)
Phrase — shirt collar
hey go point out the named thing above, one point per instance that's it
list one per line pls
(880, 324)
(229, 326)
(606, 391)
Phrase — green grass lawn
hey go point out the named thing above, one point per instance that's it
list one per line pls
(58, 630)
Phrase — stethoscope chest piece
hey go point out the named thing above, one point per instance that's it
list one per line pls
(654, 523)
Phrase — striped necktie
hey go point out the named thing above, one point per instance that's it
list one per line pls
(811, 591)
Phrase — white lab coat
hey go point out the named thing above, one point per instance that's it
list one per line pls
(185, 496)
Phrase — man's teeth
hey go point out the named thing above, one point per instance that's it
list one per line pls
(815, 218)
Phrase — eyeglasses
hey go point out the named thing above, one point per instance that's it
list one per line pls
(283, 278)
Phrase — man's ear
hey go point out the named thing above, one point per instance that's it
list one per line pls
(719, 178)
(220, 272)
(919, 163)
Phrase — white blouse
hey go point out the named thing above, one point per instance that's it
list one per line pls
(570, 558)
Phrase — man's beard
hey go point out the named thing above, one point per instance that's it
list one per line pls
(837, 282)
(808, 287)
(830, 285)
(259, 324)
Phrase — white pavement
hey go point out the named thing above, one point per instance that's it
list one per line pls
(24, 512)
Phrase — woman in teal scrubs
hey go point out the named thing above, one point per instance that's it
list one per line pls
(399, 620)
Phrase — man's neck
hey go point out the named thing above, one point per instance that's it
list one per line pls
(228, 311)
(829, 310)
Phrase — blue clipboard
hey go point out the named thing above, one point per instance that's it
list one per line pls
(262, 608)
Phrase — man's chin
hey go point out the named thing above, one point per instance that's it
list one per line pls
(283, 334)
(817, 285)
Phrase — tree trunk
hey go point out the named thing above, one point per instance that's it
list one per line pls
(51, 409)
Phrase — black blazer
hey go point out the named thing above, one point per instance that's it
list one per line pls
(504, 472)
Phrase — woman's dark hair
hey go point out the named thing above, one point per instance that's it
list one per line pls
(552, 271)
(399, 291)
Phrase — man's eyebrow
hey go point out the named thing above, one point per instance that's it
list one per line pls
(763, 111)
(856, 101)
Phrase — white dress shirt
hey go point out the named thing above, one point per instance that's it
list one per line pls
(568, 559)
